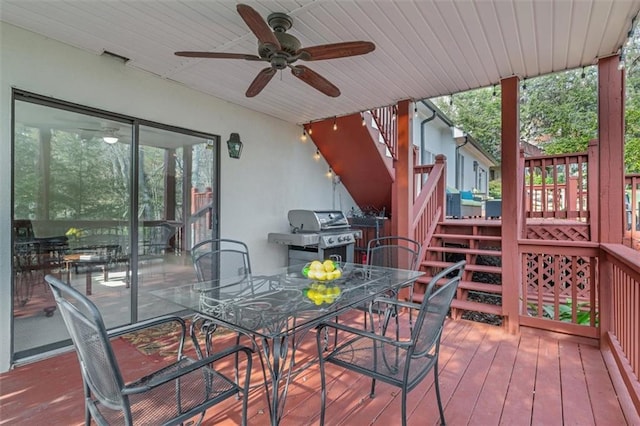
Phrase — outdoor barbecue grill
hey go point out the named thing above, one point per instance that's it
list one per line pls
(317, 235)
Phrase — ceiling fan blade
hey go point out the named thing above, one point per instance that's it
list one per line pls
(260, 81)
(335, 50)
(315, 80)
(258, 25)
(218, 55)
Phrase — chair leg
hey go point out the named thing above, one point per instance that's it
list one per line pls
(437, 385)
(404, 407)
(372, 394)
(323, 385)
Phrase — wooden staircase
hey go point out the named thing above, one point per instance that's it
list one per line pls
(479, 243)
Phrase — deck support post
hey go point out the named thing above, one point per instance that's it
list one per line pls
(610, 150)
(402, 187)
(511, 203)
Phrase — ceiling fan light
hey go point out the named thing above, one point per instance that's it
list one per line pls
(110, 139)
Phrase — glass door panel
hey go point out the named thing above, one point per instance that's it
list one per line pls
(166, 160)
(71, 218)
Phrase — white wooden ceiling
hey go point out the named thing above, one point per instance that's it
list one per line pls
(425, 48)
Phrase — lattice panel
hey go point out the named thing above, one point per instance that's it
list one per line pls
(555, 279)
(572, 232)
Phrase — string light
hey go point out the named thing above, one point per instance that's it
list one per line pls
(415, 111)
(524, 85)
(364, 122)
(310, 130)
(330, 173)
(393, 117)
(494, 91)
(317, 155)
(335, 124)
(303, 138)
(583, 75)
(451, 99)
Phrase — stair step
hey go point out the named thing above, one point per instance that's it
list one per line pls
(469, 267)
(468, 237)
(468, 285)
(462, 250)
(468, 305)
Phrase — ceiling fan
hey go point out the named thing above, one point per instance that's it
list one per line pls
(281, 50)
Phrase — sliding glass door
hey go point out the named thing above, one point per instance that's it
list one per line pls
(106, 203)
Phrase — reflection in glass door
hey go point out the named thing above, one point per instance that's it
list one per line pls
(114, 228)
(71, 218)
(175, 177)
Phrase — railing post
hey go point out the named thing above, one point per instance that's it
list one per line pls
(593, 189)
(611, 149)
(442, 186)
(511, 199)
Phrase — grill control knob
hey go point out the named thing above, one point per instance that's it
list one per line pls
(347, 238)
(330, 240)
(340, 239)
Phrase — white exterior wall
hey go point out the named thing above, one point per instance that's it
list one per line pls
(437, 138)
(276, 173)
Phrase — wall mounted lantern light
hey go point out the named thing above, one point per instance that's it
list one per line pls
(234, 145)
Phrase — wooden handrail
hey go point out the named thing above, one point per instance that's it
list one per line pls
(562, 189)
(428, 207)
(385, 119)
(620, 304)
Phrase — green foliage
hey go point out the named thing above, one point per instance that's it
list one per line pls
(557, 111)
(495, 189)
(565, 312)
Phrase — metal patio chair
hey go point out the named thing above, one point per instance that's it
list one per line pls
(401, 362)
(225, 262)
(169, 396)
(394, 252)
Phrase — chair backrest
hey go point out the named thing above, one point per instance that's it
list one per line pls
(222, 259)
(394, 252)
(435, 306)
(100, 370)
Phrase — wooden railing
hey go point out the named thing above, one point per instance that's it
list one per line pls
(555, 186)
(428, 206)
(385, 120)
(559, 281)
(620, 312)
(201, 218)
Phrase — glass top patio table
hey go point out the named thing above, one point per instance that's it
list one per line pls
(284, 301)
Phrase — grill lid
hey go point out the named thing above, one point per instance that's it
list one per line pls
(317, 220)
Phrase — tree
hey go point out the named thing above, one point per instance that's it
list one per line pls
(558, 111)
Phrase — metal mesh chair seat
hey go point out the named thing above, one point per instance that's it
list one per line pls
(399, 357)
(203, 386)
(171, 395)
(384, 360)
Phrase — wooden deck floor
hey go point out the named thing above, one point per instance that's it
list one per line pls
(487, 378)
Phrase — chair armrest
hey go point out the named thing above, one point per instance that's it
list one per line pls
(116, 332)
(396, 302)
(364, 333)
(150, 382)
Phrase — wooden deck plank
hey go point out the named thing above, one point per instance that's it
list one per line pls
(491, 371)
(488, 407)
(574, 386)
(519, 399)
(470, 387)
(547, 402)
(606, 407)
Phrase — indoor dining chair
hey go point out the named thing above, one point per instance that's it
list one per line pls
(399, 361)
(170, 395)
